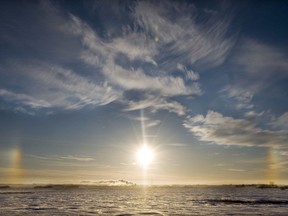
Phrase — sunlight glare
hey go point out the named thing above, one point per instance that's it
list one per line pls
(145, 156)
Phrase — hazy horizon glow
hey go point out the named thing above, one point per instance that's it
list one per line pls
(84, 85)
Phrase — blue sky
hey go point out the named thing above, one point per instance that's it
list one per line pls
(206, 80)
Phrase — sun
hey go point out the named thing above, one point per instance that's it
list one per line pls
(145, 156)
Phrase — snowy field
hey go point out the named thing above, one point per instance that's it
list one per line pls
(145, 201)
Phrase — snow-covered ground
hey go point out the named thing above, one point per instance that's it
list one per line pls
(145, 201)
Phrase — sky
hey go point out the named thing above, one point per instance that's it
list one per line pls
(85, 84)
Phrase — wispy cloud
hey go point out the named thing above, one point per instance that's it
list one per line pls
(37, 157)
(257, 66)
(183, 38)
(147, 122)
(51, 86)
(177, 144)
(103, 55)
(223, 130)
(77, 158)
(61, 158)
(23, 99)
(137, 79)
(261, 59)
(149, 44)
(236, 170)
(281, 122)
(190, 75)
(143, 55)
(243, 97)
(156, 103)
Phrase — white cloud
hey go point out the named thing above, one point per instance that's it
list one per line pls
(23, 99)
(102, 54)
(153, 40)
(281, 121)
(137, 79)
(77, 158)
(69, 157)
(189, 74)
(190, 41)
(135, 46)
(146, 44)
(147, 121)
(283, 153)
(156, 103)
(51, 86)
(253, 114)
(95, 51)
(152, 123)
(242, 96)
(222, 130)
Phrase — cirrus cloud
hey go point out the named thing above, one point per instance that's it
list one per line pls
(144, 54)
(224, 130)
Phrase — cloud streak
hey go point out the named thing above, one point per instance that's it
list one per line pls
(23, 99)
(149, 54)
(156, 103)
(77, 158)
(154, 36)
(281, 122)
(51, 86)
(187, 40)
(62, 158)
(223, 130)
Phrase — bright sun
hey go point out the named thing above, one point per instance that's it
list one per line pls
(145, 156)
